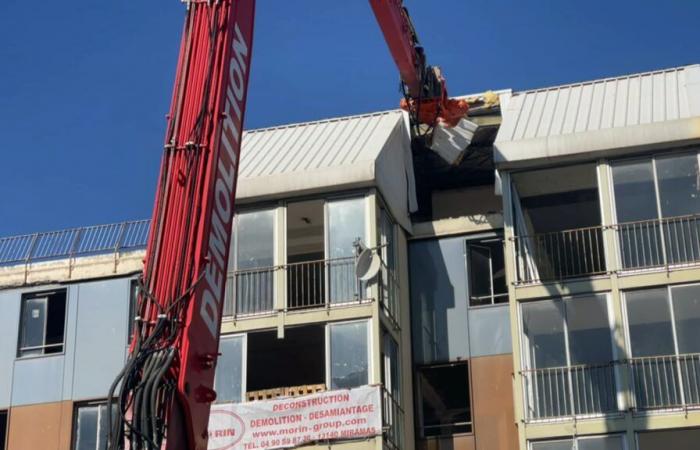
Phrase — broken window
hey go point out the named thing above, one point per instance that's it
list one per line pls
(42, 323)
(444, 399)
(228, 382)
(487, 273)
(297, 359)
(349, 358)
(91, 426)
(3, 430)
(557, 219)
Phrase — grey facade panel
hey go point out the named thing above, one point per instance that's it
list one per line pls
(439, 300)
(38, 380)
(489, 331)
(100, 336)
(9, 320)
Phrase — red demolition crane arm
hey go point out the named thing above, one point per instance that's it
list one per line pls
(163, 395)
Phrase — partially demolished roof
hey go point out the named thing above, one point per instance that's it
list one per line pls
(607, 115)
(330, 155)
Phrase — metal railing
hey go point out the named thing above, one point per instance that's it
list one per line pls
(560, 255)
(666, 382)
(392, 421)
(309, 284)
(671, 241)
(561, 392)
(75, 242)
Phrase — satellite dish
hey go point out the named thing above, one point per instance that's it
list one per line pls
(367, 265)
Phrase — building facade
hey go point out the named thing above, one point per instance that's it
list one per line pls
(552, 303)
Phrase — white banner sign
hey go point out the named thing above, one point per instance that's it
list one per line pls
(292, 421)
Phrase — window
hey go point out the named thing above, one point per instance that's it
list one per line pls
(444, 399)
(349, 355)
(346, 224)
(91, 426)
(487, 273)
(3, 430)
(581, 443)
(664, 339)
(392, 413)
(557, 219)
(568, 355)
(42, 324)
(387, 238)
(133, 299)
(657, 202)
(228, 382)
(253, 261)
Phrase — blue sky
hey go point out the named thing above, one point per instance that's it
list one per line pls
(85, 84)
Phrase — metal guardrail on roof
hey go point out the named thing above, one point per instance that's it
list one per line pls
(74, 242)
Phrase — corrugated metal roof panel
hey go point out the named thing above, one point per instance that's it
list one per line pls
(600, 104)
(315, 145)
(609, 114)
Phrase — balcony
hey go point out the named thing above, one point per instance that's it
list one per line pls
(562, 392)
(309, 285)
(649, 244)
(666, 382)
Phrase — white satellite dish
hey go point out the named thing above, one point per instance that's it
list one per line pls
(367, 264)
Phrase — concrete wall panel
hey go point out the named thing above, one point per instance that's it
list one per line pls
(38, 380)
(47, 427)
(492, 400)
(9, 320)
(100, 337)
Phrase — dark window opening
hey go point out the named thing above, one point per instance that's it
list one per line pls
(487, 273)
(42, 323)
(444, 398)
(306, 270)
(133, 298)
(3, 430)
(296, 360)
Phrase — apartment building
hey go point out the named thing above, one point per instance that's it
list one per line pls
(601, 194)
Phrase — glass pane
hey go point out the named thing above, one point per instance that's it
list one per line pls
(553, 445)
(601, 443)
(680, 196)
(349, 355)
(388, 256)
(255, 248)
(33, 325)
(229, 370)
(103, 434)
(479, 275)
(635, 201)
(346, 223)
(669, 439)
(679, 190)
(444, 396)
(543, 326)
(394, 371)
(686, 309)
(86, 428)
(649, 322)
(589, 330)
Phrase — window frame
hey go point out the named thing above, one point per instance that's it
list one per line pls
(329, 355)
(420, 423)
(575, 439)
(76, 409)
(244, 363)
(475, 241)
(42, 294)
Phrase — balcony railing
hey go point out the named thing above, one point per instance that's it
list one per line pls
(74, 242)
(560, 255)
(309, 284)
(392, 421)
(562, 392)
(666, 382)
(673, 241)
